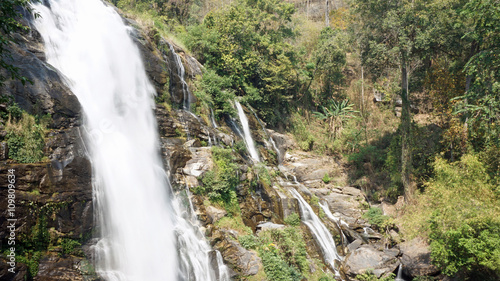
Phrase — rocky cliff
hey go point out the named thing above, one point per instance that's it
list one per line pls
(53, 197)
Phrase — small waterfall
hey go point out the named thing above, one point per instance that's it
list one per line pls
(195, 252)
(399, 277)
(139, 222)
(246, 130)
(336, 220)
(276, 149)
(181, 72)
(321, 234)
(212, 118)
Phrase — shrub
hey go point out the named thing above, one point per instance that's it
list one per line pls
(460, 209)
(249, 241)
(293, 220)
(25, 139)
(376, 217)
(326, 178)
(220, 183)
(71, 247)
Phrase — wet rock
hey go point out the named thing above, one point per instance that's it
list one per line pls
(416, 258)
(4, 151)
(20, 271)
(242, 261)
(367, 257)
(55, 268)
(283, 143)
(47, 94)
(344, 202)
(154, 63)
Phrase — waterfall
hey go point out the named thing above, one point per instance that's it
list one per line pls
(214, 124)
(246, 130)
(139, 222)
(321, 234)
(181, 72)
(399, 277)
(338, 221)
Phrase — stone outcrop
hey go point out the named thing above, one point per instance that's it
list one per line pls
(367, 258)
(243, 262)
(416, 258)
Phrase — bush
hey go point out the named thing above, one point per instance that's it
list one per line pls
(71, 247)
(249, 241)
(220, 183)
(25, 139)
(461, 211)
(326, 178)
(293, 220)
(376, 217)
(369, 276)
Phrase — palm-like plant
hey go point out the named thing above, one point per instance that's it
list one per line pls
(336, 114)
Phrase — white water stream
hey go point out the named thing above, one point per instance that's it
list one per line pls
(145, 234)
(318, 229)
(247, 134)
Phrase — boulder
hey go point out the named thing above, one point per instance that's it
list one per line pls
(215, 214)
(367, 258)
(240, 260)
(269, 226)
(55, 268)
(416, 258)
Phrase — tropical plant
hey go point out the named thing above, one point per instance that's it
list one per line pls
(336, 114)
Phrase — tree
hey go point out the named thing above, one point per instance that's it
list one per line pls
(248, 41)
(393, 34)
(10, 13)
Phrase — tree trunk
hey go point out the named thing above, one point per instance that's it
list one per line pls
(327, 16)
(406, 157)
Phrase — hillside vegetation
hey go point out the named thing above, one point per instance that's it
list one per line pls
(431, 65)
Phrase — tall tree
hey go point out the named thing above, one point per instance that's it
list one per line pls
(393, 34)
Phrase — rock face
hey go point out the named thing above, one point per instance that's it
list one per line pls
(366, 257)
(416, 259)
(47, 92)
(54, 197)
(240, 260)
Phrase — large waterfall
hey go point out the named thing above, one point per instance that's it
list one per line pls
(145, 234)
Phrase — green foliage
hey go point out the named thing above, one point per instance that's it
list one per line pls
(32, 261)
(293, 220)
(249, 241)
(262, 173)
(246, 42)
(10, 13)
(460, 209)
(25, 139)
(369, 276)
(335, 115)
(220, 183)
(326, 178)
(376, 217)
(214, 91)
(240, 147)
(276, 267)
(71, 247)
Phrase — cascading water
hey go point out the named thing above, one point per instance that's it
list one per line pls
(88, 42)
(319, 230)
(338, 221)
(181, 72)
(246, 130)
